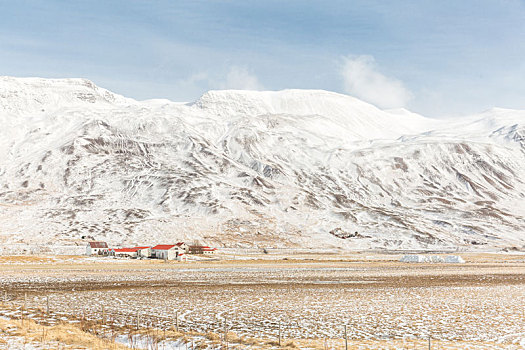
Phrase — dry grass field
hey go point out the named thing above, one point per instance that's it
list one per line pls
(306, 299)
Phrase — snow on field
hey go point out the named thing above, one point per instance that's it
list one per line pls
(447, 314)
(308, 302)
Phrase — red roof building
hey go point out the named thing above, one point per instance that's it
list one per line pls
(169, 251)
(135, 252)
(125, 250)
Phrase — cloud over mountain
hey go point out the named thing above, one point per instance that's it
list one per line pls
(362, 79)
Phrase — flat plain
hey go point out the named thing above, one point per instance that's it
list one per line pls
(307, 300)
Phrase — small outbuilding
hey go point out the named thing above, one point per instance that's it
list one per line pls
(97, 248)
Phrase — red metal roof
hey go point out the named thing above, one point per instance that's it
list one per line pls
(164, 246)
(98, 244)
(125, 250)
(141, 247)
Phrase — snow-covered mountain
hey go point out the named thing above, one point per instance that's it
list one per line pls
(301, 168)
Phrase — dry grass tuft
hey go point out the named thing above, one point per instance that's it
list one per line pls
(213, 336)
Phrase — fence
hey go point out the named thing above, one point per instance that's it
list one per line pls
(108, 323)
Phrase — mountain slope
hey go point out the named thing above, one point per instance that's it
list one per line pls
(242, 168)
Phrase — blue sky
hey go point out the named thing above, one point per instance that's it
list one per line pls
(437, 58)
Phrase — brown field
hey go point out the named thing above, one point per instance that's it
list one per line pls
(384, 303)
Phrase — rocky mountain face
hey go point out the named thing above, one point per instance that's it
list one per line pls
(293, 168)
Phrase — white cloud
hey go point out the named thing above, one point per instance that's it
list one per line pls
(364, 81)
(240, 78)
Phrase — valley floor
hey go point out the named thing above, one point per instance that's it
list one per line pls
(305, 300)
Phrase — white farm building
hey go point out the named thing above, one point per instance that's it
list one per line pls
(169, 251)
(97, 248)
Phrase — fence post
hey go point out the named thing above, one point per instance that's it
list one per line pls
(279, 333)
(429, 343)
(103, 315)
(25, 305)
(177, 320)
(346, 339)
(226, 331)
(47, 305)
(138, 320)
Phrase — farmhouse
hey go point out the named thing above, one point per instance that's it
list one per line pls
(183, 246)
(168, 251)
(97, 248)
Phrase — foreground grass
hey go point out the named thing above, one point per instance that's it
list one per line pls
(69, 336)
(54, 337)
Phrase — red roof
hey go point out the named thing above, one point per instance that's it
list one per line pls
(164, 246)
(125, 250)
(98, 244)
(179, 244)
(129, 250)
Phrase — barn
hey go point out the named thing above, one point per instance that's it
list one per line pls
(168, 251)
(135, 252)
(124, 252)
(97, 248)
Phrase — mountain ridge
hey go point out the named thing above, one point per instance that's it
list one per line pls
(240, 168)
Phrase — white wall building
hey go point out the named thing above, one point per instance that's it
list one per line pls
(168, 251)
(97, 248)
(143, 252)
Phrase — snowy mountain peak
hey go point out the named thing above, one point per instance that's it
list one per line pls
(32, 95)
(359, 119)
(292, 101)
